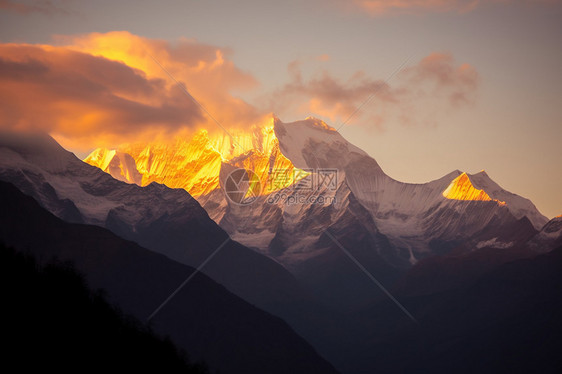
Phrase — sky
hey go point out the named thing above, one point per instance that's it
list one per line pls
(424, 86)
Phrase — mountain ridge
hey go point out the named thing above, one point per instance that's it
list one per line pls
(400, 223)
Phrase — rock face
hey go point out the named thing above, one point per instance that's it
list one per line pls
(194, 164)
(119, 165)
(548, 238)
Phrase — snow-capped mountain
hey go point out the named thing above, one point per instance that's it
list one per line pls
(387, 224)
(416, 218)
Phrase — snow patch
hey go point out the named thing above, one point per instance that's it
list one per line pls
(494, 243)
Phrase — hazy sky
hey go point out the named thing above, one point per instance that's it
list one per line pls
(480, 88)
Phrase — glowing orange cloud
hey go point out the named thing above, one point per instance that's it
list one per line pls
(106, 89)
(205, 70)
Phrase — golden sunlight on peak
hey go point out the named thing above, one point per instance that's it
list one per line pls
(120, 165)
(461, 188)
(319, 123)
(100, 158)
(194, 162)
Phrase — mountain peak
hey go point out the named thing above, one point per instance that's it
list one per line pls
(120, 165)
(101, 157)
(37, 148)
(195, 164)
(311, 143)
(318, 123)
(461, 188)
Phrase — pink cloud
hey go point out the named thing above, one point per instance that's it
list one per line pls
(438, 70)
(436, 78)
(325, 94)
(377, 8)
(42, 6)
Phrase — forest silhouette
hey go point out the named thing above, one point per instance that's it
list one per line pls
(52, 320)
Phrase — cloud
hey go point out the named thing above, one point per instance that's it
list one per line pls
(204, 69)
(436, 80)
(106, 89)
(80, 95)
(44, 6)
(398, 7)
(103, 89)
(458, 83)
(326, 95)
(383, 7)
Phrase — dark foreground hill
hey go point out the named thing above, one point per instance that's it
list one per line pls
(507, 320)
(52, 321)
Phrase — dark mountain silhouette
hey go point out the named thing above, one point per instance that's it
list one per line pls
(465, 264)
(506, 320)
(204, 318)
(52, 321)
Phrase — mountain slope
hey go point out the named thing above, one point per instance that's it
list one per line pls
(549, 237)
(204, 318)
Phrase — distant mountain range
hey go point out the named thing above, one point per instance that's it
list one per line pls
(388, 225)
